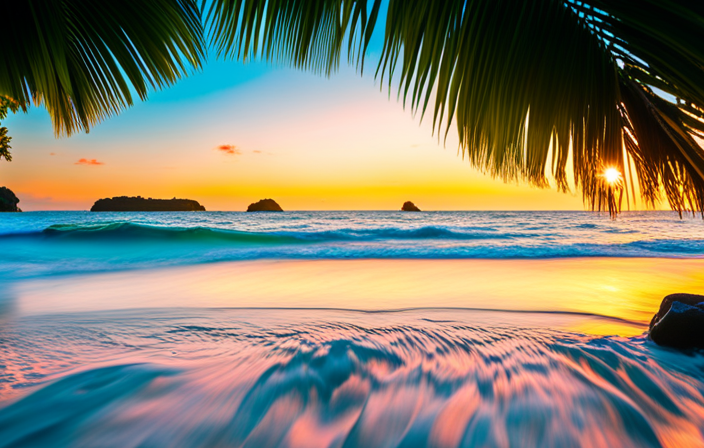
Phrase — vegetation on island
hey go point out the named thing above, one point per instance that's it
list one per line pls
(609, 92)
(140, 204)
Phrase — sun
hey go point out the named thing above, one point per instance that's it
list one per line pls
(612, 175)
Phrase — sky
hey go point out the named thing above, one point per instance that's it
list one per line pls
(235, 133)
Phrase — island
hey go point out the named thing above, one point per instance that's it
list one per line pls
(8, 201)
(140, 204)
(265, 205)
(409, 206)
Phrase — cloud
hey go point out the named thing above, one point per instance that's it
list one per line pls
(52, 153)
(230, 149)
(256, 151)
(89, 162)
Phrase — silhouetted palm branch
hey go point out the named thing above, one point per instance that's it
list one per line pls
(531, 86)
(5, 106)
(84, 59)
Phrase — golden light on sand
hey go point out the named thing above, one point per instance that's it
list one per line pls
(621, 303)
(612, 175)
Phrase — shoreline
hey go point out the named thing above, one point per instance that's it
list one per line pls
(627, 289)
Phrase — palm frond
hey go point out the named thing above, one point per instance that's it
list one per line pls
(529, 86)
(520, 76)
(83, 59)
(664, 152)
(659, 46)
(303, 33)
(514, 76)
(5, 139)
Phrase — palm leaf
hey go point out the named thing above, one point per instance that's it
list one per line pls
(83, 59)
(306, 34)
(5, 139)
(529, 86)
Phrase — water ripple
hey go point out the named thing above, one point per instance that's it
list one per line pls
(262, 379)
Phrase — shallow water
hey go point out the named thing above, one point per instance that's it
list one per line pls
(330, 378)
(131, 330)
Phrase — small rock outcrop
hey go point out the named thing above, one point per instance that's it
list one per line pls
(409, 206)
(140, 204)
(8, 201)
(680, 322)
(265, 205)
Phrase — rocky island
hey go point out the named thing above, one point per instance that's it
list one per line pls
(409, 206)
(140, 204)
(265, 205)
(8, 201)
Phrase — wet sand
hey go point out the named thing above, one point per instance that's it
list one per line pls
(625, 290)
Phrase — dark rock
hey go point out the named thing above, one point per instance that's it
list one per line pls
(680, 322)
(140, 204)
(265, 205)
(8, 201)
(409, 206)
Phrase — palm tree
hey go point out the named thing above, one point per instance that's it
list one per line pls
(612, 90)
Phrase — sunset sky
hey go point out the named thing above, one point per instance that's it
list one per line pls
(235, 133)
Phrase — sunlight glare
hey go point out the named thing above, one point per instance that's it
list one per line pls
(612, 175)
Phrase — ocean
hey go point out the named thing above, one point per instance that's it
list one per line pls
(345, 329)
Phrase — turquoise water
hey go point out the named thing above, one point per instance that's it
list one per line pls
(47, 243)
(182, 376)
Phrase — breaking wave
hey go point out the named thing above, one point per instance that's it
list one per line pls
(67, 248)
(130, 232)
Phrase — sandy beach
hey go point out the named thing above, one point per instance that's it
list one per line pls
(627, 289)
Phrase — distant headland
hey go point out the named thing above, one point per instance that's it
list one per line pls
(8, 201)
(409, 206)
(265, 205)
(140, 204)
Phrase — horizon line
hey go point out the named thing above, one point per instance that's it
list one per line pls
(369, 210)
